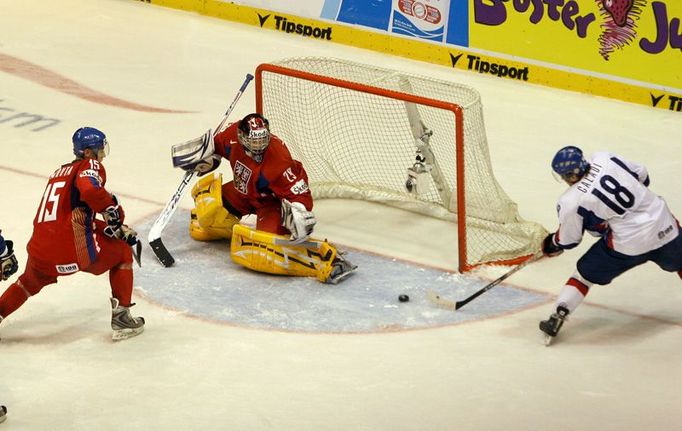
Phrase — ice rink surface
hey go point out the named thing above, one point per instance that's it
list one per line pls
(152, 77)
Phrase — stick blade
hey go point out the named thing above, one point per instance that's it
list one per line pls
(137, 253)
(161, 252)
(441, 302)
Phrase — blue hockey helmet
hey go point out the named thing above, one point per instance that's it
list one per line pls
(89, 137)
(569, 161)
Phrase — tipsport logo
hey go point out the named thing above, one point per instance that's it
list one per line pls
(487, 67)
(672, 103)
(287, 26)
(619, 21)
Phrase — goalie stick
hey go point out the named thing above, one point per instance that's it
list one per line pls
(154, 238)
(438, 300)
(159, 249)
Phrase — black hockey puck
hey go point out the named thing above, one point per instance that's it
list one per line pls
(403, 298)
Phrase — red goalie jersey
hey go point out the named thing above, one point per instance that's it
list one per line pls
(259, 187)
(64, 233)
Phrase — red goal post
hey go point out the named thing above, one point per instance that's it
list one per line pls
(364, 132)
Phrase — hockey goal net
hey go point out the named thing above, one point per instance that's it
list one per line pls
(364, 132)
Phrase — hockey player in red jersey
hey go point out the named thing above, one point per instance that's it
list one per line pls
(8, 266)
(269, 183)
(67, 238)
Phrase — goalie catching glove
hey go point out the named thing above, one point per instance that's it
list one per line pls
(299, 221)
(203, 167)
(196, 155)
(8, 261)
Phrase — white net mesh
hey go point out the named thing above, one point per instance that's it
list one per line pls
(359, 145)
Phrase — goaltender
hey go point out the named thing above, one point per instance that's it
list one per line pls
(269, 183)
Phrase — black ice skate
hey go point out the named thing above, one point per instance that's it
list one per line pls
(552, 325)
(341, 270)
(123, 323)
(3, 414)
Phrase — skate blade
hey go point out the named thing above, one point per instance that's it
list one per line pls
(124, 334)
(548, 340)
(341, 277)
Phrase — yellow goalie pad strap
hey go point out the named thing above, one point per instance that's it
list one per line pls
(259, 251)
(208, 200)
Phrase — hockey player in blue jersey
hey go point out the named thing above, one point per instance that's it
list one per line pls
(609, 197)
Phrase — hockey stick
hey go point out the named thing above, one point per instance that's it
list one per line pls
(137, 252)
(121, 234)
(154, 238)
(456, 305)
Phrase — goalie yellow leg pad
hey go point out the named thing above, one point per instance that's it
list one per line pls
(209, 219)
(208, 199)
(260, 251)
(220, 228)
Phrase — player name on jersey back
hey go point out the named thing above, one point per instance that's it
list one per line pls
(63, 171)
(586, 183)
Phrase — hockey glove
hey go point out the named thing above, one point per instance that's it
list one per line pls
(8, 261)
(125, 233)
(298, 220)
(114, 216)
(128, 234)
(550, 247)
(208, 165)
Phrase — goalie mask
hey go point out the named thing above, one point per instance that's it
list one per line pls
(254, 135)
(569, 164)
(90, 138)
